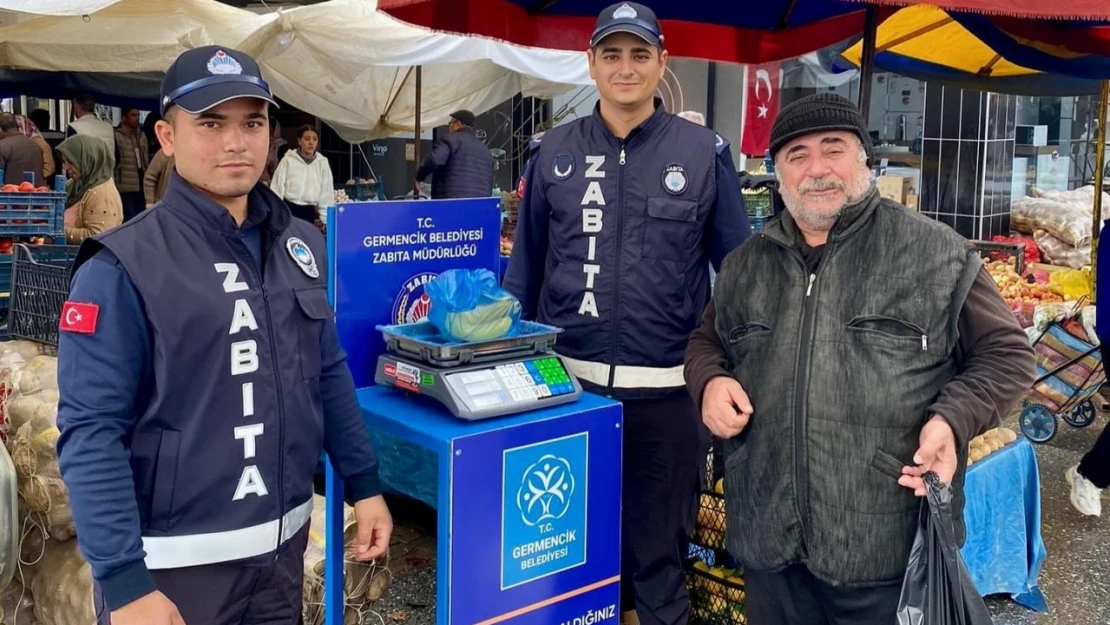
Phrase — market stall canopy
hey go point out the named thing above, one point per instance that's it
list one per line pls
(927, 43)
(56, 7)
(352, 66)
(127, 36)
(758, 32)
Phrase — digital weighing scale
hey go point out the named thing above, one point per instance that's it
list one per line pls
(481, 379)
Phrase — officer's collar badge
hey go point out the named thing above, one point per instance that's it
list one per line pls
(302, 255)
(674, 179)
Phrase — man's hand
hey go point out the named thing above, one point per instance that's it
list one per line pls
(375, 526)
(152, 609)
(937, 453)
(725, 407)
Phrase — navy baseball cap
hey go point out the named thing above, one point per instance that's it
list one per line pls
(202, 78)
(628, 17)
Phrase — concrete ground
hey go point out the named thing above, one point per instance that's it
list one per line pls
(1075, 578)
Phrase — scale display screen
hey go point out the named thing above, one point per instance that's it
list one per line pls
(521, 382)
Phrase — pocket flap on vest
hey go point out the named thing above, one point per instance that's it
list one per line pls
(314, 302)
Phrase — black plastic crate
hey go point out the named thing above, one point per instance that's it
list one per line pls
(40, 285)
(709, 530)
(717, 596)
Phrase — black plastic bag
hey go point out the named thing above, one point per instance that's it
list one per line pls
(937, 589)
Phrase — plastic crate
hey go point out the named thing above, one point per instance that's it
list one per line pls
(758, 203)
(40, 285)
(26, 214)
(709, 530)
(717, 596)
(757, 222)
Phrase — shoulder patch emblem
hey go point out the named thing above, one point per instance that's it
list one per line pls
(302, 255)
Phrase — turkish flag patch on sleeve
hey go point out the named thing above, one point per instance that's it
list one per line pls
(79, 317)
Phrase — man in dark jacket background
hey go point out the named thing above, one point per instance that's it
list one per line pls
(460, 164)
(18, 153)
(850, 348)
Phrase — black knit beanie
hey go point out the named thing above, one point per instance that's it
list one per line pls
(817, 113)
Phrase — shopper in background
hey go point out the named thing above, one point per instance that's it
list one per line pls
(851, 348)
(85, 122)
(157, 178)
(94, 203)
(1091, 476)
(304, 179)
(37, 127)
(460, 165)
(201, 378)
(132, 160)
(623, 213)
(19, 154)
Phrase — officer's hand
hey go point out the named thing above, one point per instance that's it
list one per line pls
(725, 407)
(937, 453)
(153, 609)
(375, 526)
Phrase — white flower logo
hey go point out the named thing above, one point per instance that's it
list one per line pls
(545, 491)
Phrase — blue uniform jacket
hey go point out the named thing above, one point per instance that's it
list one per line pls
(614, 243)
(193, 415)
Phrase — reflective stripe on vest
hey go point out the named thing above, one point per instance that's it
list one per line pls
(626, 376)
(173, 552)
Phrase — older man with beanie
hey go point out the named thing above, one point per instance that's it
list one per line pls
(460, 165)
(851, 347)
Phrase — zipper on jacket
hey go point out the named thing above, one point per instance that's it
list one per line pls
(617, 284)
(280, 393)
(801, 386)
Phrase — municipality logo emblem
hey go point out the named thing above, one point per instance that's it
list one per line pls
(302, 255)
(546, 490)
(563, 166)
(624, 12)
(674, 179)
(223, 64)
(412, 303)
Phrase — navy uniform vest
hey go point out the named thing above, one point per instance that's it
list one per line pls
(228, 436)
(627, 273)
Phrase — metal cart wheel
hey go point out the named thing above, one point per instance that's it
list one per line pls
(1081, 416)
(1038, 424)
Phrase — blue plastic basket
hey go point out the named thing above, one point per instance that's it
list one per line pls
(757, 222)
(29, 214)
(39, 280)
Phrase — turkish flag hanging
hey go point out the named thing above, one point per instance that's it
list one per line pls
(763, 106)
(79, 318)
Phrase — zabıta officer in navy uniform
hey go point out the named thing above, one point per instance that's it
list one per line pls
(201, 376)
(623, 213)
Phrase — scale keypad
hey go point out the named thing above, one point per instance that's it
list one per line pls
(518, 382)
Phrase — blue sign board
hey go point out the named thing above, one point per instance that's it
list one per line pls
(383, 253)
(535, 522)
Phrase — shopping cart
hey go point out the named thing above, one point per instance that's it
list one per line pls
(1069, 373)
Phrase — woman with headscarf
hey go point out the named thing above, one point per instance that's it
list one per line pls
(93, 205)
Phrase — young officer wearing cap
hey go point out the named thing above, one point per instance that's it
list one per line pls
(623, 213)
(201, 376)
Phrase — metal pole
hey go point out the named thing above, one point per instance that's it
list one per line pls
(1100, 171)
(867, 60)
(416, 130)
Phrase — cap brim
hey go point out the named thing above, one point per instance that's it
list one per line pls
(631, 29)
(211, 96)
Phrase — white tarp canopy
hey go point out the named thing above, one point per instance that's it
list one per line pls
(352, 67)
(57, 7)
(127, 36)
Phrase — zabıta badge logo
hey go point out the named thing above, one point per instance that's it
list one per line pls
(543, 515)
(412, 303)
